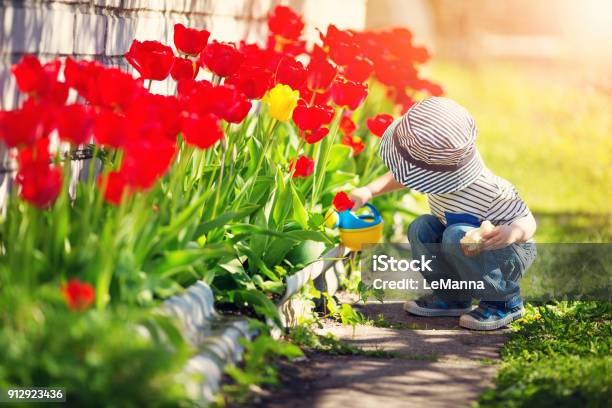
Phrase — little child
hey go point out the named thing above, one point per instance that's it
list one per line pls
(431, 149)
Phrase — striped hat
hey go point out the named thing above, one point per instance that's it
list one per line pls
(431, 148)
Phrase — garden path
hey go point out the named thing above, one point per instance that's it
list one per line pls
(435, 364)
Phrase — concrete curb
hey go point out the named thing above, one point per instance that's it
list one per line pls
(218, 337)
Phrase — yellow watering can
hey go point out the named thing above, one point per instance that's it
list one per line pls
(357, 230)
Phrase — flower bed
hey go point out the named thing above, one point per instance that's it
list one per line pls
(225, 182)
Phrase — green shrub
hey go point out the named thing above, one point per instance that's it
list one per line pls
(101, 358)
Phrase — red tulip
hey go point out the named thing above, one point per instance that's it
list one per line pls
(397, 43)
(225, 101)
(75, 123)
(321, 75)
(82, 76)
(312, 117)
(40, 81)
(354, 142)
(313, 136)
(368, 42)
(40, 183)
(397, 39)
(222, 59)
(340, 45)
(78, 295)
(401, 98)
(347, 126)
(394, 74)
(254, 55)
(239, 110)
(29, 74)
(57, 93)
(115, 89)
(184, 68)
(317, 53)
(189, 40)
(322, 98)
(202, 131)
(21, 127)
(286, 23)
(154, 111)
(302, 167)
(348, 93)
(147, 158)
(152, 59)
(333, 35)
(290, 72)
(188, 87)
(281, 45)
(379, 123)
(169, 115)
(432, 88)
(253, 81)
(113, 186)
(358, 70)
(394, 56)
(419, 54)
(342, 202)
(344, 53)
(110, 129)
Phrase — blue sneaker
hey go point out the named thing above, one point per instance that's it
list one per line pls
(431, 306)
(492, 315)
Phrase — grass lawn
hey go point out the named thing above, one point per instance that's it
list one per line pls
(551, 137)
(558, 356)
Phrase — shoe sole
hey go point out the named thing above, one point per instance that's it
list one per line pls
(411, 307)
(469, 322)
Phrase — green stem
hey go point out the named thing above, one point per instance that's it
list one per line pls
(321, 159)
(220, 177)
(366, 169)
(177, 179)
(268, 143)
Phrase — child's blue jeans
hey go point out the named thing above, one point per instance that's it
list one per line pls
(499, 270)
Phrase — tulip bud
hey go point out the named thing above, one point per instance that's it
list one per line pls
(281, 101)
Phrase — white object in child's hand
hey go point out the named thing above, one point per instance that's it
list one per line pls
(472, 242)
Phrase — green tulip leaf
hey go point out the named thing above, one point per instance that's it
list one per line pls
(226, 217)
(300, 215)
(340, 159)
(174, 261)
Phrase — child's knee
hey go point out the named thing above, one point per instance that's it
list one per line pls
(452, 235)
(421, 229)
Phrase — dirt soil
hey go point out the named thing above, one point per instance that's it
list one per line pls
(435, 364)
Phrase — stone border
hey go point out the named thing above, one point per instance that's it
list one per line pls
(218, 337)
(324, 273)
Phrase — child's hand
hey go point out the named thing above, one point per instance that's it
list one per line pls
(360, 196)
(500, 237)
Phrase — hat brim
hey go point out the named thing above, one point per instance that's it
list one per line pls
(422, 180)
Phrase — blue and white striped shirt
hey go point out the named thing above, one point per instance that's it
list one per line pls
(489, 197)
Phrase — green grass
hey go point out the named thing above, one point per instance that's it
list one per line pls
(559, 356)
(570, 227)
(549, 135)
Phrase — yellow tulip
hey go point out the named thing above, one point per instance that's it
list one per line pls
(281, 101)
